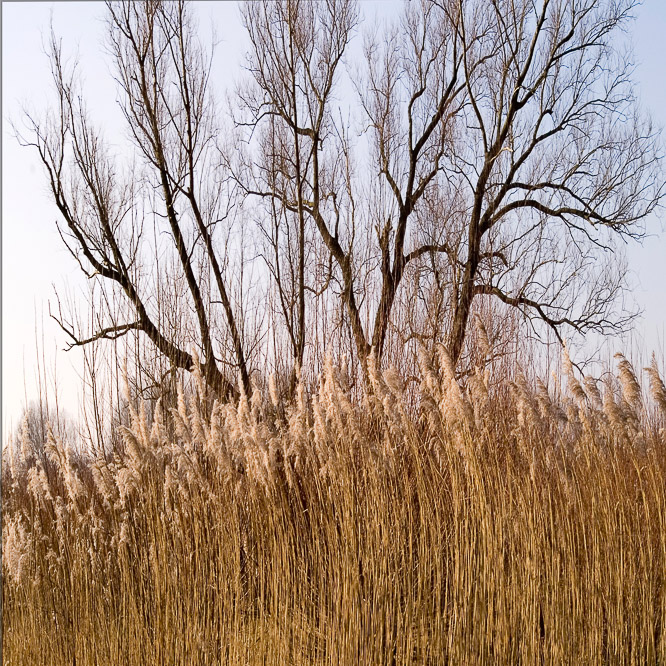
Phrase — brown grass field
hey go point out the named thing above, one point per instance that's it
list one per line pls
(499, 523)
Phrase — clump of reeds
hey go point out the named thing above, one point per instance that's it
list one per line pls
(470, 522)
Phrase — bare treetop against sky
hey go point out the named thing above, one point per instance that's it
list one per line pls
(34, 258)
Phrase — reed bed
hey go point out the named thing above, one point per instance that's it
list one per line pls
(463, 522)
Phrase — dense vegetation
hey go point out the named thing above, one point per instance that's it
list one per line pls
(484, 521)
(367, 193)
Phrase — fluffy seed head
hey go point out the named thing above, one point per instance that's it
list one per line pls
(657, 388)
(631, 389)
(573, 384)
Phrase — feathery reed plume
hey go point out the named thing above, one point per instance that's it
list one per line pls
(446, 364)
(16, 550)
(548, 410)
(631, 389)
(527, 413)
(479, 398)
(454, 405)
(615, 415)
(103, 479)
(158, 433)
(298, 418)
(394, 381)
(592, 392)
(38, 484)
(60, 456)
(657, 388)
(573, 384)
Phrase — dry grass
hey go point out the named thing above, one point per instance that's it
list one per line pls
(491, 525)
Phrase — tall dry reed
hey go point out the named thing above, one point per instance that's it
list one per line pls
(476, 524)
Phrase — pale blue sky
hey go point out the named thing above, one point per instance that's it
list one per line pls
(33, 259)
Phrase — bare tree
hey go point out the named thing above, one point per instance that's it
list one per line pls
(296, 50)
(507, 153)
(163, 76)
(508, 132)
(499, 157)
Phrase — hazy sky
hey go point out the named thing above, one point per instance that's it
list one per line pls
(33, 258)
